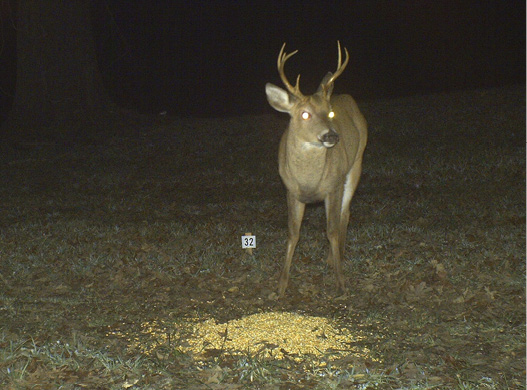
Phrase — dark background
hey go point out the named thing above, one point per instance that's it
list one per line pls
(213, 58)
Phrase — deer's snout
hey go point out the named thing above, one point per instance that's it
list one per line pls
(329, 138)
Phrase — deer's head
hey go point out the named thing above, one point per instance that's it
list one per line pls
(311, 116)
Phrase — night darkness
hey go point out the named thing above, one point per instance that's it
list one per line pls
(210, 58)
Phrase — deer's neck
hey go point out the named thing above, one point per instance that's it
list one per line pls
(303, 167)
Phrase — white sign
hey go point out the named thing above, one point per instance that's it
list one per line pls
(248, 242)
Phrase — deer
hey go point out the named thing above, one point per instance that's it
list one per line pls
(319, 159)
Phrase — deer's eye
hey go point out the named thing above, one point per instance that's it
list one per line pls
(306, 116)
(331, 115)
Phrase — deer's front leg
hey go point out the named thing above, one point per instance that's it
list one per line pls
(295, 215)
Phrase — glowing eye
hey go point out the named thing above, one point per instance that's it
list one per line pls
(306, 115)
(331, 115)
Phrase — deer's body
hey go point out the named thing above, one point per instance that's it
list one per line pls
(320, 159)
(309, 170)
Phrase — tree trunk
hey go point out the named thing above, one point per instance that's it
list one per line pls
(59, 91)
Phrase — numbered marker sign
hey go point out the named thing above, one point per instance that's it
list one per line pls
(248, 242)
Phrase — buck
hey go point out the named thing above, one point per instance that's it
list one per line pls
(320, 158)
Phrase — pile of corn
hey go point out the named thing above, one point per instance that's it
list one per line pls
(271, 334)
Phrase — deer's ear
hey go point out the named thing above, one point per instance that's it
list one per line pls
(278, 98)
(324, 87)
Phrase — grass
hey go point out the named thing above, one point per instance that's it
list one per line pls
(111, 250)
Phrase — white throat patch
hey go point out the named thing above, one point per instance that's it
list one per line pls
(312, 145)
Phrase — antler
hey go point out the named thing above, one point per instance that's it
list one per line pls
(340, 68)
(282, 58)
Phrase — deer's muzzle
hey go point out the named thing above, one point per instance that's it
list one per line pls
(329, 139)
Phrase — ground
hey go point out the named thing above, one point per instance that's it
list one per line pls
(121, 262)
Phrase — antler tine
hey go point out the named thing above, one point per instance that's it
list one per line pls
(282, 58)
(340, 67)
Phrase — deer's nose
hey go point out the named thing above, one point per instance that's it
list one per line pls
(329, 138)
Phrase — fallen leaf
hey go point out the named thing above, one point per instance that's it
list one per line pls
(490, 294)
(439, 269)
(212, 375)
(273, 296)
(128, 384)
